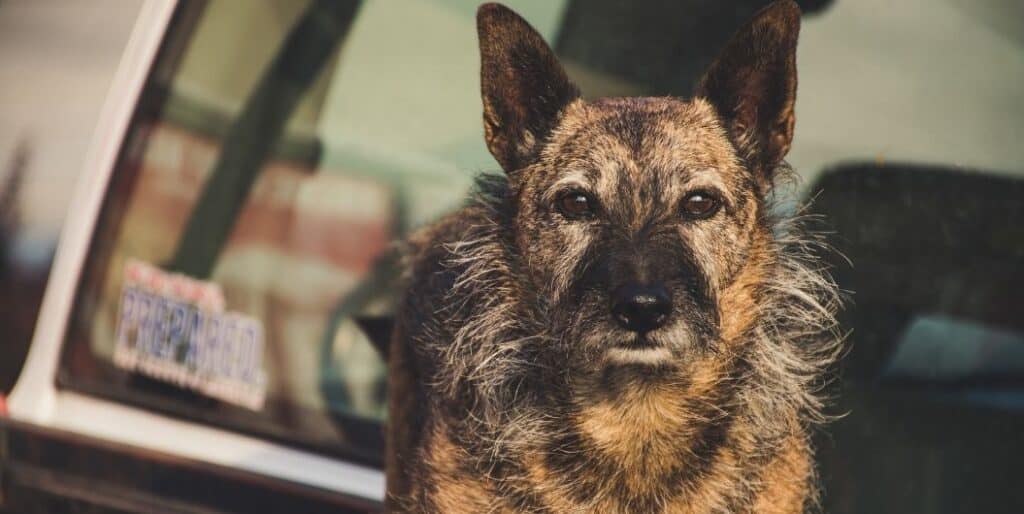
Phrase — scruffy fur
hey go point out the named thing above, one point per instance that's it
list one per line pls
(514, 389)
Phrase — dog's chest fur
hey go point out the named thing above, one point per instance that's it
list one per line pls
(654, 454)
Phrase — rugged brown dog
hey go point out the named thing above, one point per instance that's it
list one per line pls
(617, 324)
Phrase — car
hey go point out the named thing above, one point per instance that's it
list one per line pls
(210, 337)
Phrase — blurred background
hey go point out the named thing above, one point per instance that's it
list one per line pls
(279, 146)
(56, 63)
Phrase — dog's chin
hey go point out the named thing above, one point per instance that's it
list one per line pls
(638, 355)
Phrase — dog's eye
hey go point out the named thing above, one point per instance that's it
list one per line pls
(576, 205)
(700, 205)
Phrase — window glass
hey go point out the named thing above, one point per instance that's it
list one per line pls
(252, 210)
(273, 173)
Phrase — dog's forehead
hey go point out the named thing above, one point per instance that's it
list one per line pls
(641, 137)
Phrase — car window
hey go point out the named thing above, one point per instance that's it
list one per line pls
(280, 148)
(242, 271)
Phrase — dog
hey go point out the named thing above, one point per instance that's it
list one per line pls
(618, 322)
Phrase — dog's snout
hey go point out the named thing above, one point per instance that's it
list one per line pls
(641, 308)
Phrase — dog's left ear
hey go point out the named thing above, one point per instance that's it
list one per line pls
(752, 85)
(524, 87)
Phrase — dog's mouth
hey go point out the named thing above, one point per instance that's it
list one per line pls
(639, 349)
(663, 347)
(650, 355)
(639, 342)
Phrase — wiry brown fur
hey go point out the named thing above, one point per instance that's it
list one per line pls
(507, 391)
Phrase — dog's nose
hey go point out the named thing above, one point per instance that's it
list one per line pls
(641, 308)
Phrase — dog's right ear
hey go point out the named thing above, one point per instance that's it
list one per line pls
(752, 85)
(524, 87)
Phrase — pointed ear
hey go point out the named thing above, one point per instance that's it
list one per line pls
(752, 85)
(524, 88)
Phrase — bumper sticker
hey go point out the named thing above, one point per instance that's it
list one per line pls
(174, 328)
